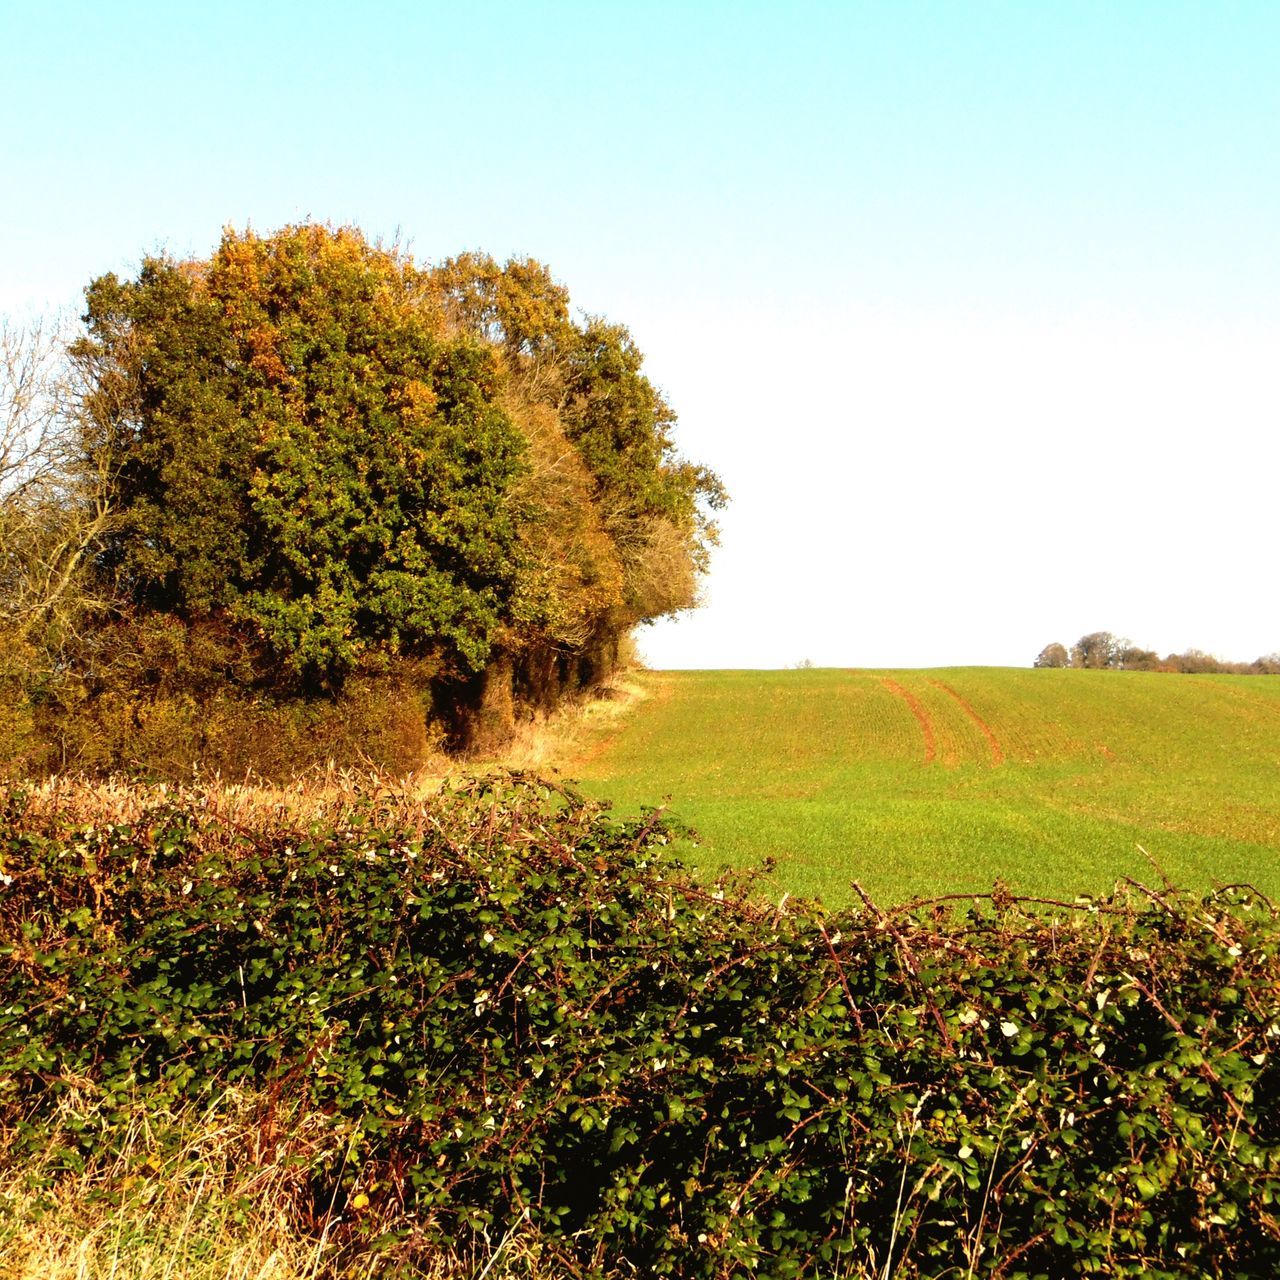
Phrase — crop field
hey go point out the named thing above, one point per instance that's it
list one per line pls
(920, 783)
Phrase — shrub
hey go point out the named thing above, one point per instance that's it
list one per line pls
(168, 699)
(506, 1002)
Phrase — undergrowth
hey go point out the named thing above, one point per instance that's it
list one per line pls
(503, 1013)
(202, 1193)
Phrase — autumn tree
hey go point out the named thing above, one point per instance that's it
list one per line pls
(1133, 657)
(345, 457)
(304, 450)
(1101, 649)
(1195, 662)
(1097, 650)
(622, 526)
(1053, 655)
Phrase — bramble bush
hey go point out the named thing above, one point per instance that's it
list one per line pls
(509, 1004)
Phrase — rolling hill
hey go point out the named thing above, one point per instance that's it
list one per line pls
(921, 783)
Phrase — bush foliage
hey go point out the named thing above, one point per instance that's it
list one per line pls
(323, 459)
(507, 1003)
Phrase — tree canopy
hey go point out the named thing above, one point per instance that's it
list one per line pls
(1053, 655)
(344, 455)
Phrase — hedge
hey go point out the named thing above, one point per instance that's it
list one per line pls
(513, 1006)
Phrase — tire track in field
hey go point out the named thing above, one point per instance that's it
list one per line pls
(921, 715)
(997, 751)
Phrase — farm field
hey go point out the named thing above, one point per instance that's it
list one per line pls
(924, 782)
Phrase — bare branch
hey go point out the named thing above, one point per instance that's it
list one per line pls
(55, 503)
(31, 404)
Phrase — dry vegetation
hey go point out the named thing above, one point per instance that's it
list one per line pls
(215, 1200)
(578, 727)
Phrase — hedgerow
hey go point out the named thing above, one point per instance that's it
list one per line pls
(511, 1007)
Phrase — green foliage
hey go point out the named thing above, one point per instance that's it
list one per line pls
(301, 448)
(343, 455)
(622, 426)
(508, 1002)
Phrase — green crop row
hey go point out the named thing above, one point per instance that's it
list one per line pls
(509, 1007)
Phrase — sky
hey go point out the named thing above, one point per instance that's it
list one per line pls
(974, 307)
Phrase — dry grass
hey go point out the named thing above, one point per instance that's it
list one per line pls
(205, 1199)
(577, 729)
(207, 1195)
(321, 797)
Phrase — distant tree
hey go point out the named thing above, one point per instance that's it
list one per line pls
(1097, 650)
(1053, 655)
(1101, 649)
(1195, 662)
(1132, 658)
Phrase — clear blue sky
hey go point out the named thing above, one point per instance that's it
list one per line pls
(974, 306)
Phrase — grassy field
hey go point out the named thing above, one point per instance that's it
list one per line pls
(932, 782)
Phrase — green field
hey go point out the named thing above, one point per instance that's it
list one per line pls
(932, 782)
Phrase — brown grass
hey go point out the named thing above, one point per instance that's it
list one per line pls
(214, 1204)
(577, 729)
(207, 1196)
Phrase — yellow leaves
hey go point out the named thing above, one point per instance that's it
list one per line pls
(264, 358)
(573, 574)
(417, 400)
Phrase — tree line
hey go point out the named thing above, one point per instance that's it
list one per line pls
(308, 467)
(1100, 650)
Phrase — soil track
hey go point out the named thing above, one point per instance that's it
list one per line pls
(997, 751)
(921, 715)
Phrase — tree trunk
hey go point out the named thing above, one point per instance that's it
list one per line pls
(492, 724)
(539, 683)
(599, 662)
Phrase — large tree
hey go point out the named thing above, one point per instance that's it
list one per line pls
(343, 455)
(306, 451)
(1097, 650)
